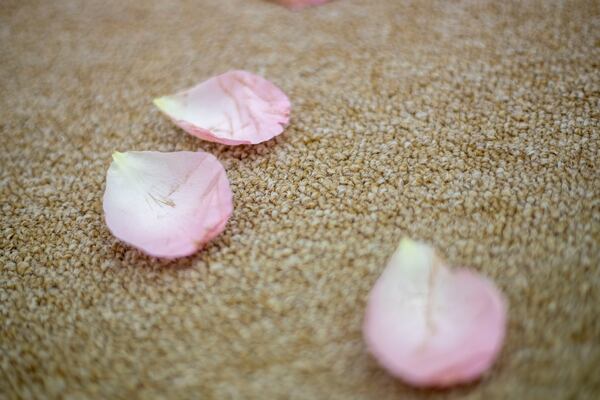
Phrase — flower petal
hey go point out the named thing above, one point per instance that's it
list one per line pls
(432, 326)
(299, 4)
(166, 204)
(234, 108)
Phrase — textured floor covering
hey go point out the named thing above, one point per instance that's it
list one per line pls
(473, 125)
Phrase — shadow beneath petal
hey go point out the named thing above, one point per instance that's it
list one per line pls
(247, 152)
(131, 257)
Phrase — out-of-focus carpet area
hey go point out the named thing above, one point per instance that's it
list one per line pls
(473, 125)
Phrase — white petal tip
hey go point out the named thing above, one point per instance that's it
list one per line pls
(118, 157)
(166, 104)
(408, 245)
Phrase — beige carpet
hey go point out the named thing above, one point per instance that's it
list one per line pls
(473, 125)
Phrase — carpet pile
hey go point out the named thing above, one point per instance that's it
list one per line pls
(472, 125)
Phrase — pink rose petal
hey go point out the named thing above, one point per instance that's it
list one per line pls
(299, 4)
(234, 108)
(166, 204)
(432, 326)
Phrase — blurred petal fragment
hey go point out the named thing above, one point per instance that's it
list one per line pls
(430, 325)
(299, 4)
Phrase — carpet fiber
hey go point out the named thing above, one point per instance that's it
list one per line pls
(472, 125)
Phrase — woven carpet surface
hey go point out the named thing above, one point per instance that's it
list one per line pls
(472, 125)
